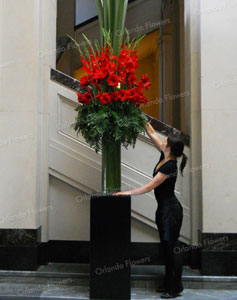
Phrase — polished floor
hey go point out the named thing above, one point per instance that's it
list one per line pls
(71, 282)
(15, 291)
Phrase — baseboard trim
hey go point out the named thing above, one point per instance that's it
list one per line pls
(218, 253)
(212, 259)
(141, 253)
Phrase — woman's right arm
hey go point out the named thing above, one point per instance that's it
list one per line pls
(153, 136)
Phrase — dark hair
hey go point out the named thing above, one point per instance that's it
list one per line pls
(176, 148)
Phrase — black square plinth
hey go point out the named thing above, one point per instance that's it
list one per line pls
(110, 239)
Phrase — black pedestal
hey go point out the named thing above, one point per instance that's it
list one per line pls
(110, 238)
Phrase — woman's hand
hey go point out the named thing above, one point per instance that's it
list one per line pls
(122, 193)
(149, 119)
(148, 127)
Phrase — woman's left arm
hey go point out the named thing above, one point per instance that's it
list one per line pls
(157, 180)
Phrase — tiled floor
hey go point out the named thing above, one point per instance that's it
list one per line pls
(188, 294)
(33, 292)
(71, 282)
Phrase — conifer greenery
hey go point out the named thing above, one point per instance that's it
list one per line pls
(114, 122)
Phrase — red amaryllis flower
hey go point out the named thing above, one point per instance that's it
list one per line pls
(105, 98)
(123, 54)
(104, 69)
(133, 96)
(145, 99)
(115, 96)
(131, 79)
(84, 81)
(86, 66)
(122, 94)
(97, 97)
(93, 81)
(100, 74)
(131, 93)
(145, 81)
(79, 97)
(122, 77)
(131, 64)
(112, 66)
(113, 80)
(87, 97)
(142, 97)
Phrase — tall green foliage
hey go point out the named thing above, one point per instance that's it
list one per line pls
(112, 15)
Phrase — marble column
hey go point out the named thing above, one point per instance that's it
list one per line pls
(28, 35)
(218, 65)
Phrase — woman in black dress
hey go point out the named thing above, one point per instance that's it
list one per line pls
(169, 214)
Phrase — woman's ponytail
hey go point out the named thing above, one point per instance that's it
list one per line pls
(183, 163)
(176, 145)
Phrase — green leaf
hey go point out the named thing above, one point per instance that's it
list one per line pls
(106, 14)
(89, 43)
(127, 36)
(137, 42)
(101, 19)
(112, 16)
(97, 46)
(119, 23)
(76, 43)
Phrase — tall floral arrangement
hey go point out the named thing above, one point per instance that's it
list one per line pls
(108, 108)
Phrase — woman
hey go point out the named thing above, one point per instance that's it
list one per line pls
(169, 214)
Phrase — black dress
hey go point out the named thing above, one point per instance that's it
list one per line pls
(169, 214)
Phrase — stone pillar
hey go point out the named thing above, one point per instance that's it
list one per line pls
(176, 67)
(193, 117)
(28, 35)
(219, 143)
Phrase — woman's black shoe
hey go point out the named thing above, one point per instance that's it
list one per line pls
(169, 296)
